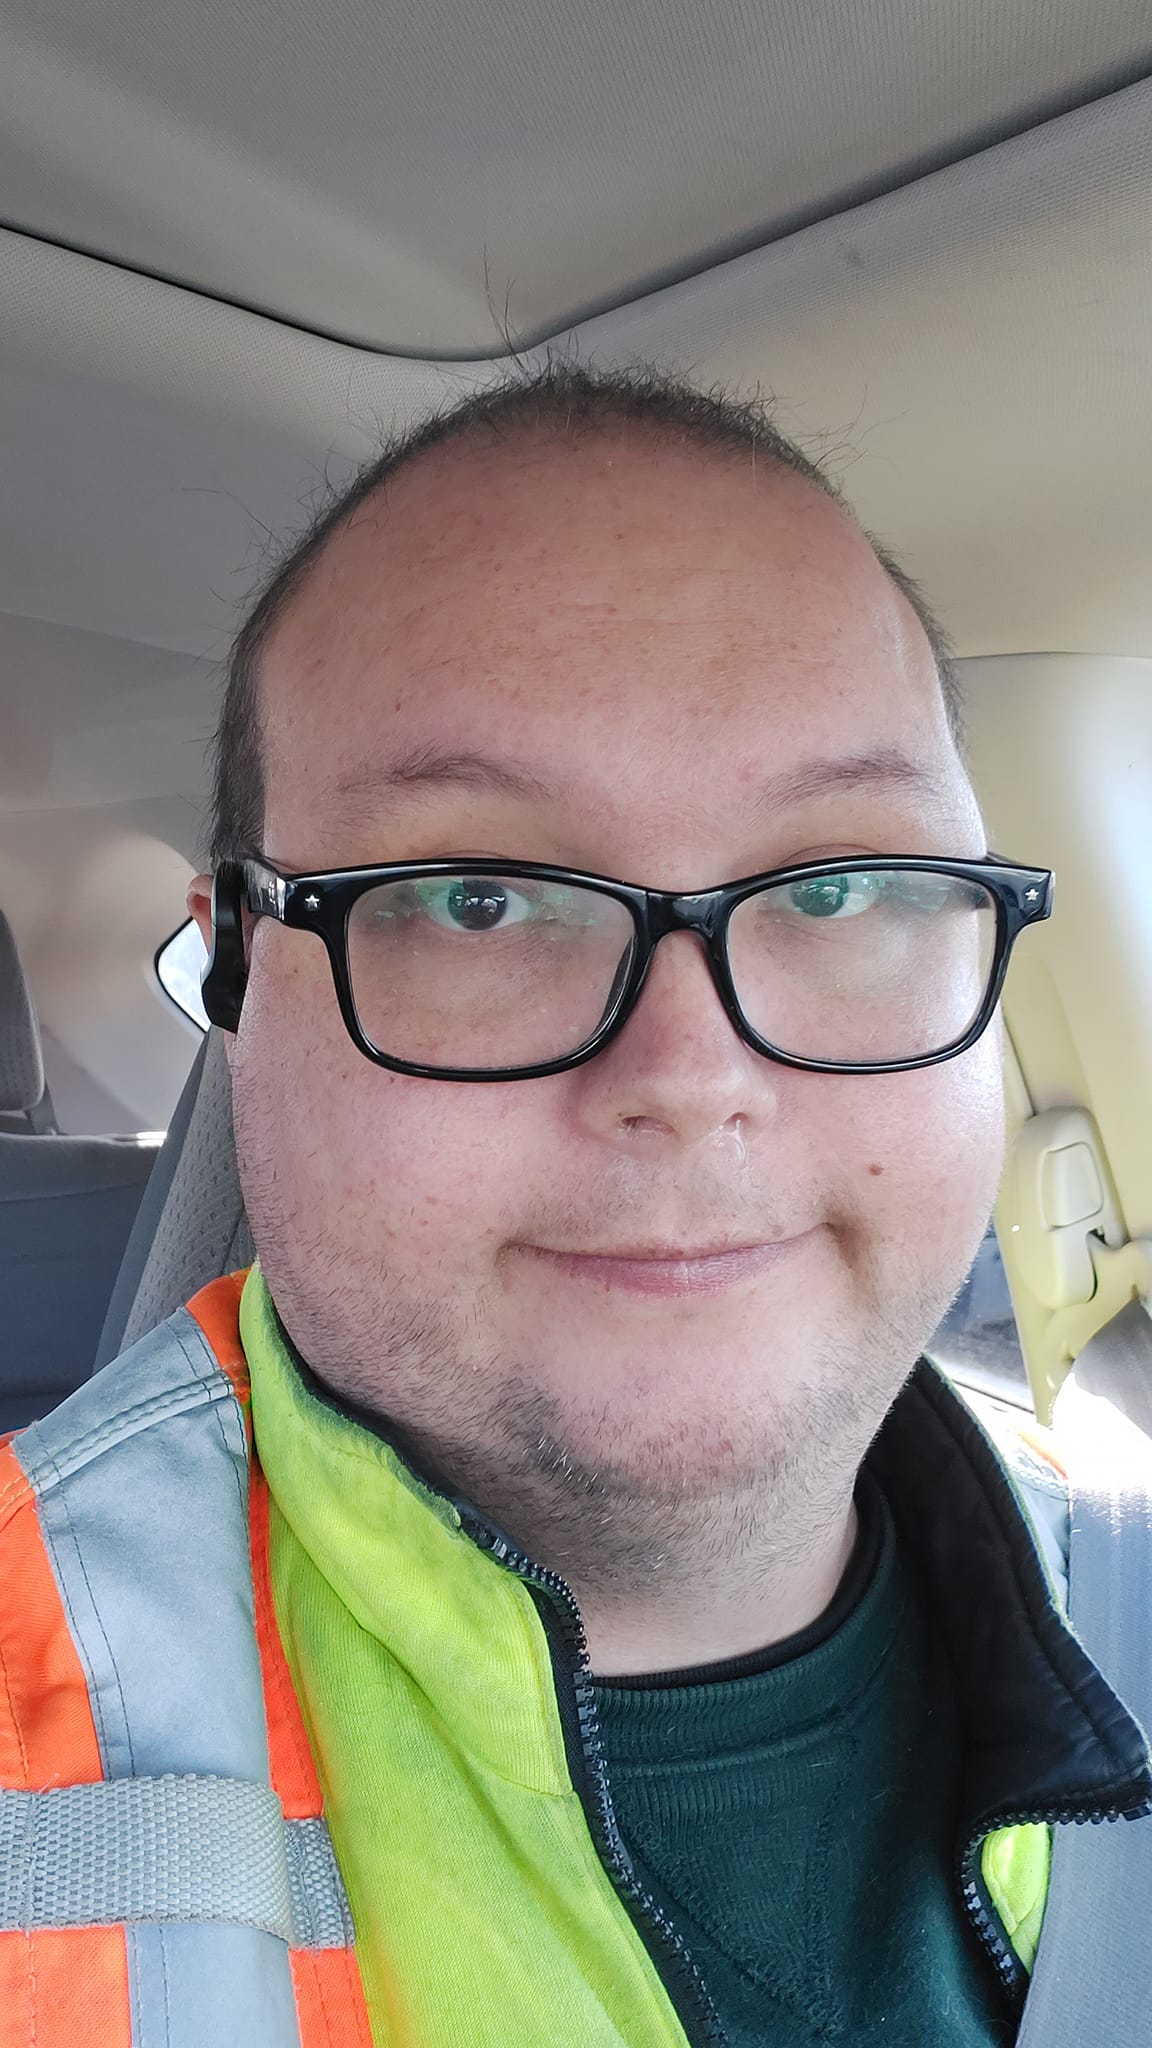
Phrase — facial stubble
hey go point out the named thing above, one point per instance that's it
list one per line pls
(632, 1509)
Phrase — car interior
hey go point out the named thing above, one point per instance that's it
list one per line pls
(238, 248)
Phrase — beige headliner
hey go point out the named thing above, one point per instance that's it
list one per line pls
(975, 348)
(379, 170)
(971, 349)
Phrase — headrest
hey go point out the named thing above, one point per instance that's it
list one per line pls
(21, 1060)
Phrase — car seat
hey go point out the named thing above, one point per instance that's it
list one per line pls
(67, 1205)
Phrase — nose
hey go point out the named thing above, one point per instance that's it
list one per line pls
(678, 1072)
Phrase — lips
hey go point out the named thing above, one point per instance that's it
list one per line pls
(657, 1269)
(667, 1254)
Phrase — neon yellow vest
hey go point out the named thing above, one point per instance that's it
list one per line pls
(485, 1915)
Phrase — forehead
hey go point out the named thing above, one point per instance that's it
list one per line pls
(631, 610)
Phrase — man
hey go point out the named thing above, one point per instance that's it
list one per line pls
(657, 1687)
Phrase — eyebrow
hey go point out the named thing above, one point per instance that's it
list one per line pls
(427, 768)
(431, 767)
(882, 768)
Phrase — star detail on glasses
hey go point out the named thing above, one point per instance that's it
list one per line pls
(312, 902)
(1031, 895)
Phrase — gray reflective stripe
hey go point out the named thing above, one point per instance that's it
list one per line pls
(202, 1985)
(141, 1480)
(168, 1849)
(1092, 1982)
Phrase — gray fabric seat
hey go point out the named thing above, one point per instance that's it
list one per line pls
(191, 1226)
(67, 1205)
(25, 1104)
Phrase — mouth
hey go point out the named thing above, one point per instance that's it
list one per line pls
(671, 1269)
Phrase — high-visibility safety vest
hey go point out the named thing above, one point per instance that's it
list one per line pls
(161, 1811)
(167, 1879)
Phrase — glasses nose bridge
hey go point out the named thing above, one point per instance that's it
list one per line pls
(701, 913)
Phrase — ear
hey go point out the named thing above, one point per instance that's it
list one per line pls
(215, 903)
(199, 901)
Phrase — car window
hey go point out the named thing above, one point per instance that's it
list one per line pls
(976, 1344)
(179, 965)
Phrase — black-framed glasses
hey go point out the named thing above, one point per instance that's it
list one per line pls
(463, 970)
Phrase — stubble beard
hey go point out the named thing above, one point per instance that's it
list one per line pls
(636, 1513)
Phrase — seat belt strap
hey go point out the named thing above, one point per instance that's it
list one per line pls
(1118, 1364)
(1092, 1981)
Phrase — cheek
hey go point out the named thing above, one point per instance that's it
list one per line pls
(357, 1154)
(428, 1159)
(920, 1154)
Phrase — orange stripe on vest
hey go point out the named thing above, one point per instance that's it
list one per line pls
(329, 1993)
(58, 1986)
(217, 1310)
(1044, 1444)
(64, 1987)
(47, 1734)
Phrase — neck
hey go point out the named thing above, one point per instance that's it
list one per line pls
(734, 1614)
(746, 1576)
(666, 1582)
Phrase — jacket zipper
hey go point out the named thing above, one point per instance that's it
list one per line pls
(1011, 1971)
(666, 1946)
(663, 1941)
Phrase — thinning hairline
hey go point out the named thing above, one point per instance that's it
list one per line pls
(269, 618)
(510, 434)
(291, 583)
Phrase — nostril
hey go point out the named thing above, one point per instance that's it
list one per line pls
(644, 1123)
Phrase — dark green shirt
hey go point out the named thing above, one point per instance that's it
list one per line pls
(794, 1815)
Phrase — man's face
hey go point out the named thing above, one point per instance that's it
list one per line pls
(656, 634)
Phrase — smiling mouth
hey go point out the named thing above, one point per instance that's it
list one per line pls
(670, 1270)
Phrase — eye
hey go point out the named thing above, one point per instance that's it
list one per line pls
(837, 896)
(472, 903)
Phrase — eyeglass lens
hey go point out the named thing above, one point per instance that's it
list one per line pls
(488, 970)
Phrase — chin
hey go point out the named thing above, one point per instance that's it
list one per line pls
(732, 1412)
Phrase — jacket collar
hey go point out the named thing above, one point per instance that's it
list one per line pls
(1046, 1737)
(392, 1549)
